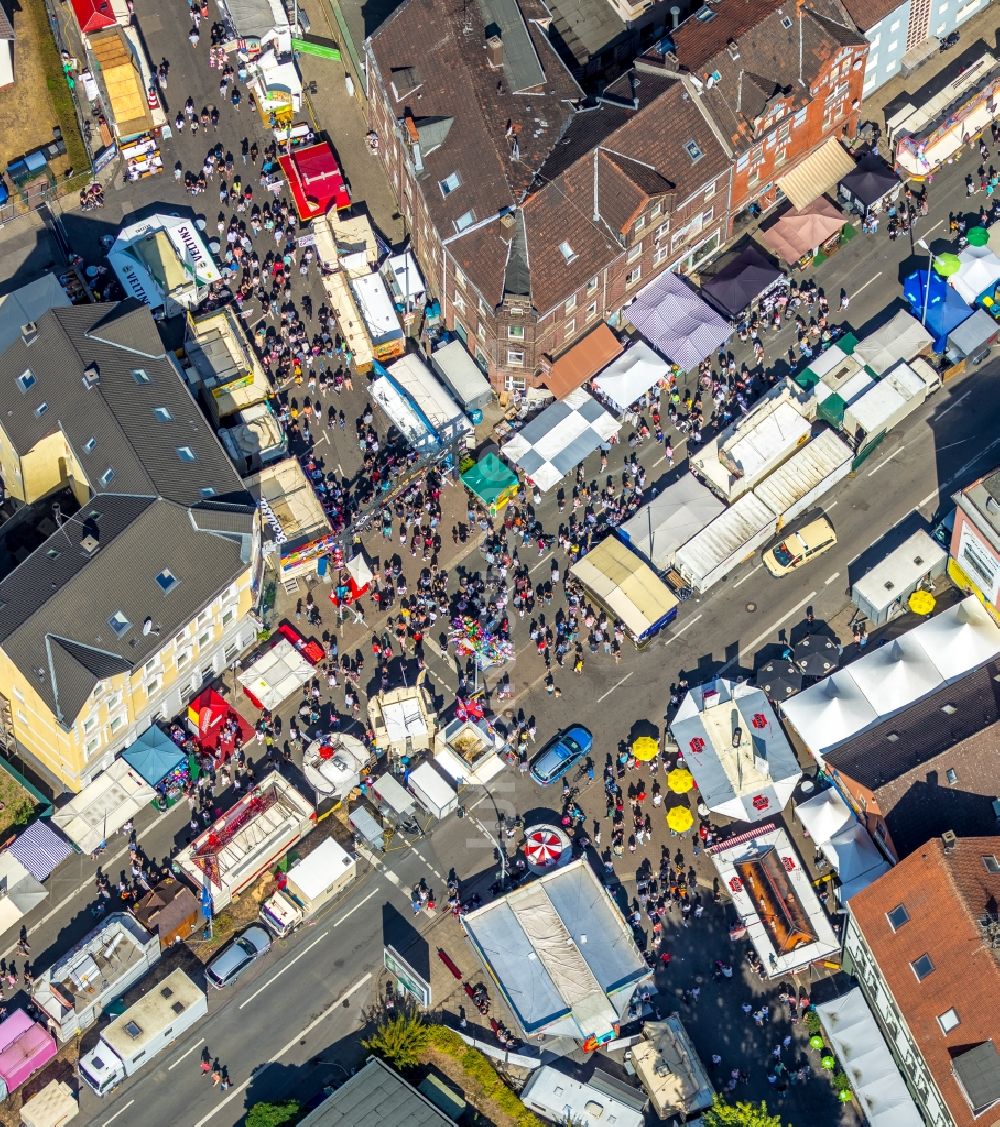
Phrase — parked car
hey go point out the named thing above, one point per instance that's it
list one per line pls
(800, 547)
(560, 753)
(236, 956)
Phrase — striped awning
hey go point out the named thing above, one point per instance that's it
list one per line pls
(40, 849)
(818, 173)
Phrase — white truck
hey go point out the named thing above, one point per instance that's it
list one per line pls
(310, 883)
(162, 1015)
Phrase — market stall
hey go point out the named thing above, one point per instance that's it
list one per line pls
(745, 278)
(808, 474)
(734, 535)
(52, 1106)
(22, 891)
(275, 675)
(545, 848)
(103, 807)
(431, 400)
(897, 394)
(798, 236)
(216, 725)
(468, 747)
(315, 180)
(123, 83)
(901, 338)
(629, 589)
(333, 765)
(164, 261)
(161, 762)
(352, 325)
(25, 1047)
(296, 530)
(630, 375)
(972, 339)
(40, 849)
(380, 317)
(437, 796)
(582, 361)
(493, 484)
(407, 284)
(882, 593)
(463, 377)
(403, 720)
(978, 274)
(939, 307)
(353, 581)
(677, 322)
(843, 841)
(557, 440)
(95, 15)
(277, 86)
(670, 520)
(872, 186)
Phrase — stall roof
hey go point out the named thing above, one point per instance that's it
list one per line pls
(800, 230)
(276, 674)
(93, 15)
(560, 952)
(406, 274)
(820, 172)
(671, 519)
(974, 333)
(401, 412)
(462, 374)
(489, 478)
(861, 1048)
(315, 180)
(22, 890)
(376, 308)
(730, 530)
(316, 872)
(677, 321)
(630, 375)
(25, 1046)
(946, 309)
(285, 494)
(54, 1106)
(122, 81)
(670, 1069)
(556, 441)
(870, 179)
(430, 398)
(627, 586)
(584, 360)
(153, 755)
(902, 338)
(426, 779)
(40, 849)
(103, 807)
(979, 273)
(747, 781)
(391, 792)
(899, 571)
(741, 280)
(843, 841)
(806, 469)
(253, 19)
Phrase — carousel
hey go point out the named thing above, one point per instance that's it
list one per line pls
(546, 848)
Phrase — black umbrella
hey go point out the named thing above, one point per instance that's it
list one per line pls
(817, 655)
(779, 679)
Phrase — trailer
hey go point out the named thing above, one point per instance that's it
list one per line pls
(732, 537)
(310, 884)
(144, 1030)
(429, 788)
(897, 394)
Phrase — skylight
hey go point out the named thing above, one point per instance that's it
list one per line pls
(898, 917)
(26, 380)
(186, 454)
(693, 151)
(90, 444)
(163, 414)
(922, 967)
(567, 252)
(207, 491)
(466, 219)
(166, 580)
(108, 476)
(41, 409)
(140, 375)
(119, 623)
(450, 183)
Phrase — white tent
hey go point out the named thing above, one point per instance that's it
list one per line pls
(430, 398)
(555, 442)
(897, 674)
(627, 587)
(960, 638)
(824, 815)
(857, 1041)
(979, 272)
(102, 808)
(276, 674)
(53, 1106)
(829, 711)
(902, 338)
(843, 841)
(670, 520)
(21, 891)
(631, 375)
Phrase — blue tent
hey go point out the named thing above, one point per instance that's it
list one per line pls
(154, 755)
(945, 309)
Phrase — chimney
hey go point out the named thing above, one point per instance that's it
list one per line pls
(948, 841)
(91, 375)
(494, 52)
(29, 332)
(733, 48)
(89, 542)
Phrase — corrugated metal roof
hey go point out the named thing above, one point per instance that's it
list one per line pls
(803, 471)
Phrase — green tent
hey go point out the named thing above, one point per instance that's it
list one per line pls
(491, 481)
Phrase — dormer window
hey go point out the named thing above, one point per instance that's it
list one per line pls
(449, 184)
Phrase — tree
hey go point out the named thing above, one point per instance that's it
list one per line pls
(742, 1113)
(400, 1041)
(273, 1115)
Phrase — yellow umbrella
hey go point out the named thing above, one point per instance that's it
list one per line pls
(645, 748)
(680, 819)
(922, 602)
(680, 780)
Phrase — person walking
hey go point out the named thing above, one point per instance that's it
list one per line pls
(205, 1064)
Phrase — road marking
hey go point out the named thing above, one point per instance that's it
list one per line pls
(865, 286)
(749, 575)
(193, 1049)
(951, 406)
(240, 1089)
(827, 582)
(885, 461)
(960, 472)
(613, 687)
(540, 562)
(347, 915)
(291, 963)
(771, 630)
(832, 505)
(939, 223)
(687, 626)
(393, 879)
(117, 1113)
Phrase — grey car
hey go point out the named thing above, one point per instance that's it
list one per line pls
(236, 956)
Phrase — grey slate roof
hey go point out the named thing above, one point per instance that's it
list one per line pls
(132, 425)
(521, 65)
(375, 1097)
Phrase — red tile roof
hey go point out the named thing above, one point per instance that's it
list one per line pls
(946, 896)
(867, 13)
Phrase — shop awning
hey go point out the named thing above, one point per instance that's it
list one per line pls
(154, 755)
(583, 360)
(818, 173)
(627, 586)
(315, 180)
(802, 230)
(677, 321)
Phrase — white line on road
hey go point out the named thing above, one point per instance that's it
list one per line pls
(288, 966)
(184, 1056)
(350, 912)
(939, 223)
(687, 626)
(749, 575)
(865, 286)
(616, 686)
(951, 406)
(540, 562)
(391, 877)
(885, 461)
(832, 505)
(827, 582)
(240, 1089)
(750, 646)
(960, 472)
(117, 1113)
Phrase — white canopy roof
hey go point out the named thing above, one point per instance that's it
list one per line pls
(102, 808)
(843, 841)
(429, 396)
(629, 588)
(824, 815)
(890, 678)
(314, 874)
(875, 1080)
(276, 674)
(22, 891)
(671, 519)
(902, 338)
(630, 375)
(747, 780)
(980, 271)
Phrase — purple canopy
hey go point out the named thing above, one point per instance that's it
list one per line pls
(41, 850)
(677, 322)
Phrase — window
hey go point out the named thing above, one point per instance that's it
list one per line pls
(186, 454)
(633, 276)
(166, 580)
(591, 310)
(18, 694)
(592, 284)
(570, 329)
(140, 375)
(205, 617)
(21, 718)
(922, 967)
(459, 278)
(568, 253)
(90, 445)
(120, 624)
(153, 686)
(116, 723)
(26, 380)
(459, 302)
(449, 184)
(634, 253)
(992, 864)
(515, 332)
(41, 409)
(898, 917)
(709, 191)
(231, 652)
(693, 151)
(113, 701)
(228, 615)
(465, 220)
(204, 640)
(108, 476)
(515, 359)
(207, 492)
(53, 553)
(800, 117)
(952, 776)
(662, 230)
(639, 223)
(660, 254)
(92, 745)
(707, 216)
(571, 304)
(655, 210)
(948, 1020)
(162, 414)
(742, 162)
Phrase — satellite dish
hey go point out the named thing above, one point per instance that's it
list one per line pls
(147, 626)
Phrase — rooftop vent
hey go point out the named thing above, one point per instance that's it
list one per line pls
(29, 332)
(948, 840)
(733, 48)
(507, 221)
(89, 543)
(91, 375)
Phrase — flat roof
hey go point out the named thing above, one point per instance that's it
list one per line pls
(143, 1022)
(290, 498)
(315, 873)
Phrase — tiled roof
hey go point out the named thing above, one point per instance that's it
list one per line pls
(946, 896)
(6, 30)
(375, 1097)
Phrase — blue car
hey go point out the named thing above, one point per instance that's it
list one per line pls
(560, 753)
